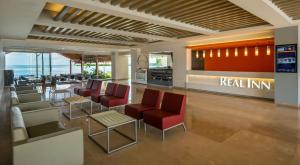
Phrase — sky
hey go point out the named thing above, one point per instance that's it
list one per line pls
(17, 58)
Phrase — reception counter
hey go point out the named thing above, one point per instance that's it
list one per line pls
(253, 84)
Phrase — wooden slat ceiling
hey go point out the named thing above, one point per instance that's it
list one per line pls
(290, 7)
(213, 14)
(89, 34)
(75, 40)
(85, 17)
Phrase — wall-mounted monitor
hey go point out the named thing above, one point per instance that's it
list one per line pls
(161, 60)
(286, 58)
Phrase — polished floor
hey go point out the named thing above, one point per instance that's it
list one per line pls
(221, 130)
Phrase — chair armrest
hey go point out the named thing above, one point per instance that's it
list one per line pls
(34, 105)
(60, 148)
(32, 97)
(23, 88)
(40, 116)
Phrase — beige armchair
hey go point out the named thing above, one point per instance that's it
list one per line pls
(39, 138)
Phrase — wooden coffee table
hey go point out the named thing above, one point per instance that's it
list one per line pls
(110, 120)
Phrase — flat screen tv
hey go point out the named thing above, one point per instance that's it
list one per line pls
(286, 58)
(161, 60)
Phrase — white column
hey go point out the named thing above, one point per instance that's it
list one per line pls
(119, 66)
(287, 84)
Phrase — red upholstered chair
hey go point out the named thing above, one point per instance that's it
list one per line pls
(150, 101)
(96, 88)
(170, 115)
(120, 97)
(88, 86)
(109, 91)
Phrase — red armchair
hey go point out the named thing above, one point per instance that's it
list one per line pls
(170, 115)
(109, 91)
(120, 97)
(150, 101)
(88, 86)
(96, 88)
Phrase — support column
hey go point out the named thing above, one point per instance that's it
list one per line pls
(81, 65)
(97, 68)
(70, 67)
(119, 66)
(36, 65)
(50, 63)
(43, 73)
(134, 55)
(287, 85)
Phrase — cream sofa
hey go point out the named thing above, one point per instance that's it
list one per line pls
(40, 139)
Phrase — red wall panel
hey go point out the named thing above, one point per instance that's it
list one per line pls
(249, 63)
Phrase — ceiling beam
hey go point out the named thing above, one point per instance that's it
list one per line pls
(107, 8)
(265, 10)
(46, 20)
(42, 34)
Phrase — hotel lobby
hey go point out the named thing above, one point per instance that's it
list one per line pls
(149, 82)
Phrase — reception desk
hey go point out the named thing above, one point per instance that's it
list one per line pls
(253, 84)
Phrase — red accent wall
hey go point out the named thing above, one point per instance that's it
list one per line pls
(250, 63)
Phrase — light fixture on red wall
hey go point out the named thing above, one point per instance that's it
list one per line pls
(236, 52)
(219, 53)
(211, 53)
(203, 53)
(256, 51)
(227, 52)
(197, 54)
(268, 50)
(246, 51)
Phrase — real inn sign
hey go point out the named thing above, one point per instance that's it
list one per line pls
(261, 84)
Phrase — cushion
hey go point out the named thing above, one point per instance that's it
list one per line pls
(110, 89)
(151, 98)
(155, 117)
(121, 91)
(14, 98)
(172, 102)
(136, 110)
(18, 125)
(111, 101)
(44, 129)
(85, 92)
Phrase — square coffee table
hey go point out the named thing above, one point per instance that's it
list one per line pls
(80, 101)
(110, 120)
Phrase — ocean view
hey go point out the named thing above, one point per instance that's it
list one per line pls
(56, 69)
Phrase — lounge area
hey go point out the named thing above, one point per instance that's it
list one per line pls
(153, 82)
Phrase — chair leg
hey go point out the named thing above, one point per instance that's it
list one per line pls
(183, 125)
(145, 127)
(139, 123)
(163, 134)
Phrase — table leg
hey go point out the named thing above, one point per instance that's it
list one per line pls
(89, 127)
(91, 108)
(108, 140)
(135, 130)
(70, 112)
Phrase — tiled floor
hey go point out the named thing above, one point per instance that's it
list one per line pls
(222, 130)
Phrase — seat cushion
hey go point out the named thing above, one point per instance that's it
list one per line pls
(85, 92)
(136, 110)
(111, 101)
(161, 119)
(44, 129)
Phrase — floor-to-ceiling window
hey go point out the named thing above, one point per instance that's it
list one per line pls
(37, 64)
